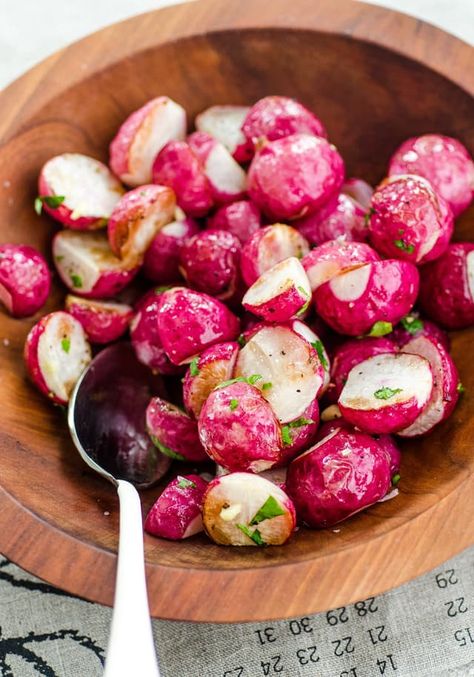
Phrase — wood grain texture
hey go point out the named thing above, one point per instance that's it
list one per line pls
(374, 77)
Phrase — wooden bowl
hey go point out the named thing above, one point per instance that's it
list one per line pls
(375, 77)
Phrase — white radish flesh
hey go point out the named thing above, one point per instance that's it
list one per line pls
(224, 123)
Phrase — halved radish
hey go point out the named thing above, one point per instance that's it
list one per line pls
(137, 218)
(334, 257)
(226, 177)
(359, 190)
(387, 392)
(368, 298)
(224, 123)
(245, 509)
(292, 374)
(342, 218)
(25, 279)
(445, 392)
(300, 433)
(214, 365)
(280, 293)
(189, 322)
(161, 262)
(267, 247)
(238, 428)
(78, 191)
(176, 514)
(315, 342)
(241, 218)
(87, 265)
(142, 136)
(173, 431)
(342, 474)
(56, 353)
(103, 321)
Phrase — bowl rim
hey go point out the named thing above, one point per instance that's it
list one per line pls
(22, 99)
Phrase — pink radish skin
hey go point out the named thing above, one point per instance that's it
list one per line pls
(161, 262)
(346, 218)
(214, 365)
(25, 279)
(350, 354)
(447, 287)
(409, 221)
(88, 267)
(239, 430)
(341, 475)
(302, 434)
(176, 514)
(178, 167)
(232, 502)
(359, 190)
(89, 189)
(143, 134)
(190, 321)
(445, 391)
(401, 335)
(275, 117)
(334, 257)
(145, 337)
(209, 262)
(383, 291)
(241, 218)
(269, 246)
(224, 123)
(56, 353)
(137, 218)
(102, 321)
(444, 161)
(226, 177)
(287, 362)
(280, 293)
(386, 393)
(294, 176)
(173, 431)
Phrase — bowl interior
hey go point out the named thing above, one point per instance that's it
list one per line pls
(370, 99)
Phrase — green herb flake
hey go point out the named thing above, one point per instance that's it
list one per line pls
(395, 480)
(380, 329)
(76, 280)
(319, 348)
(412, 324)
(254, 535)
(163, 288)
(303, 309)
(193, 367)
(303, 291)
(401, 244)
(460, 388)
(251, 380)
(267, 386)
(270, 509)
(254, 378)
(184, 483)
(59, 258)
(66, 344)
(233, 404)
(38, 205)
(368, 215)
(300, 422)
(52, 201)
(286, 436)
(241, 341)
(386, 393)
(166, 450)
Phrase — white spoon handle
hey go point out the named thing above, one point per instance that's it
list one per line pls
(131, 648)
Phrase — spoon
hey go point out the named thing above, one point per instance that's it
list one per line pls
(106, 418)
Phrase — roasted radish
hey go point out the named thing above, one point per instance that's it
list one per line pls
(245, 509)
(334, 257)
(299, 434)
(224, 123)
(25, 279)
(161, 262)
(176, 514)
(142, 136)
(241, 218)
(103, 321)
(343, 217)
(173, 431)
(56, 353)
(386, 393)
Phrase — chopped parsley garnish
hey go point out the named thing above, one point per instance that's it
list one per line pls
(401, 244)
(271, 508)
(304, 308)
(193, 367)
(184, 483)
(380, 329)
(299, 422)
(163, 288)
(76, 280)
(241, 340)
(254, 378)
(386, 393)
(66, 344)
(319, 348)
(368, 215)
(412, 323)
(52, 201)
(460, 388)
(251, 380)
(303, 292)
(395, 480)
(166, 450)
(286, 436)
(59, 258)
(254, 535)
(233, 404)
(267, 385)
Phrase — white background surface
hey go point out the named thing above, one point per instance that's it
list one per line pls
(32, 29)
